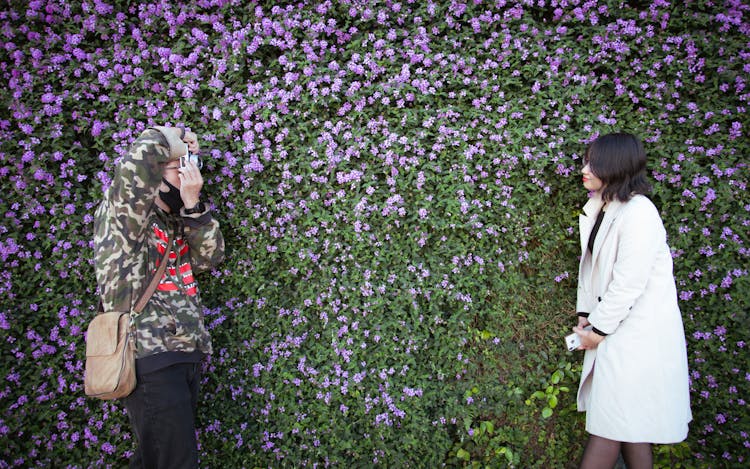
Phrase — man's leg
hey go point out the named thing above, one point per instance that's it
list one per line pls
(162, 414)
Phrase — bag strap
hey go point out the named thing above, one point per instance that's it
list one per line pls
(141, 303)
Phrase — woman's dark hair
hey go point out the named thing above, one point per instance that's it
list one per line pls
(619, 160)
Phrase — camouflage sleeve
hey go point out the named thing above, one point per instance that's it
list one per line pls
(122, 217)
(206, 242)
(136, 181)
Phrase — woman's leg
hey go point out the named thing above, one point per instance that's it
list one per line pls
(638, 455)
(600, 453)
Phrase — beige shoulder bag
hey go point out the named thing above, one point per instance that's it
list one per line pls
(110, 346)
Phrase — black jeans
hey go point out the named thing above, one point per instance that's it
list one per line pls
(161, 410)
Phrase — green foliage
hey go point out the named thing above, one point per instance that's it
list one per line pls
(398, 186)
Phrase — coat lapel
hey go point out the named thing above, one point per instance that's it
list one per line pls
(586, 221)
(609, 217)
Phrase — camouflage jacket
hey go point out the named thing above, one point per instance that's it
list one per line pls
(130, 235)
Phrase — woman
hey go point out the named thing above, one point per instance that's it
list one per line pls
(634, 382)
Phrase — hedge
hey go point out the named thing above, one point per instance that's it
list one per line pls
(398, 184)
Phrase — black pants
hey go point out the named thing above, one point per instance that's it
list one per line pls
(162, 415)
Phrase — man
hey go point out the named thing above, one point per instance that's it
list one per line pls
(154, 204)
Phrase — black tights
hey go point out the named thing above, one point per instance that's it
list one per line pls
(602, 453)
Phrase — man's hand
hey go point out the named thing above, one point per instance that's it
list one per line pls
(191, 139)
(191, 183)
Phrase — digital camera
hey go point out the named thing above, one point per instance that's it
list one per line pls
(195, 159)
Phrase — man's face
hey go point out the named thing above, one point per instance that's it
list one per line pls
(171, 173)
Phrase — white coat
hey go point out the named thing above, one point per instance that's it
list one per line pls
(634, 385)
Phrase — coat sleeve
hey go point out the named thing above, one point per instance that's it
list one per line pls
(135, 184)
(640, 234)
(206, 242)
(122, 217)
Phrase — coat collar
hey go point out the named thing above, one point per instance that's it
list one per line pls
(587, 220)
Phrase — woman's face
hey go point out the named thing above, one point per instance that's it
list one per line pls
(590, 181)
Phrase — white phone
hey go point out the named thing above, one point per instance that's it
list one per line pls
(573, 341)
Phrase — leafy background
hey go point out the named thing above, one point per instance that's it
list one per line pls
(398, 184)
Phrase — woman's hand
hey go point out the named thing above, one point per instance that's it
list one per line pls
(589, 339)
(583, 322)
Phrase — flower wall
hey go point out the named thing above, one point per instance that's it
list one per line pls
(398, 184)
